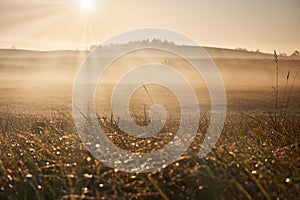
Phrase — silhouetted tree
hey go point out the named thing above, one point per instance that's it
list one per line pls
(296, 53)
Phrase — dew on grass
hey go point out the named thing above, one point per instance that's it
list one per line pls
(287, 180)
(9, 177)
(28, 175)
(101, 185)
(70, 176)
(88, 159)
(85, 190)
(117, 162)
(254, 172)
(200, 187)
(89, 176)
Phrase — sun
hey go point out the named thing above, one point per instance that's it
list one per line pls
(86, 4)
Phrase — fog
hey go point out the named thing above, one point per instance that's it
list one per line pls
(34, 82)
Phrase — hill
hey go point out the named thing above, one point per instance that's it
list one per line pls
(214, 52)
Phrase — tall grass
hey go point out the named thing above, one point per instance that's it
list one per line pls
(279, 115)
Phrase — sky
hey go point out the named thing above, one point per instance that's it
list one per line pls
(76, 24)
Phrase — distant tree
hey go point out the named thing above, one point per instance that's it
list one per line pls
(92, 47)
(241, 49)
(283, 54)
(296, 53)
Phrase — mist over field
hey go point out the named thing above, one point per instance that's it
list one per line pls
(32, 81)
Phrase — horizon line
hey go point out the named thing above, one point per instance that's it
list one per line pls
(88, 49)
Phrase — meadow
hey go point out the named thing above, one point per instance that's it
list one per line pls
(42, 156)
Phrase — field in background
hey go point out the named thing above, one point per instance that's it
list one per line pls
(33, 82)
(43, 158)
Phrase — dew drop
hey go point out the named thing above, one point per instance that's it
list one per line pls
(29, 176)
(88, 176)
(88, 159)
(85, 189)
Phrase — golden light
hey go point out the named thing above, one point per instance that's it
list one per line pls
(86, 4)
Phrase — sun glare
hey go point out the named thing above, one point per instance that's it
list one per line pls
(86, 4)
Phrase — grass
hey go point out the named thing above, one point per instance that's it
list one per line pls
(43, 158)
(279, 115)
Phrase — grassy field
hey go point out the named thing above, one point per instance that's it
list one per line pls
(42, 156)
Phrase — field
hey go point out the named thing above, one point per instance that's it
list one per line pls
(42, 156)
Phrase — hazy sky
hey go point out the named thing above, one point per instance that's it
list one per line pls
(71, 24)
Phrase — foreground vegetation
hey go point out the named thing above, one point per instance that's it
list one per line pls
(43, 158)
